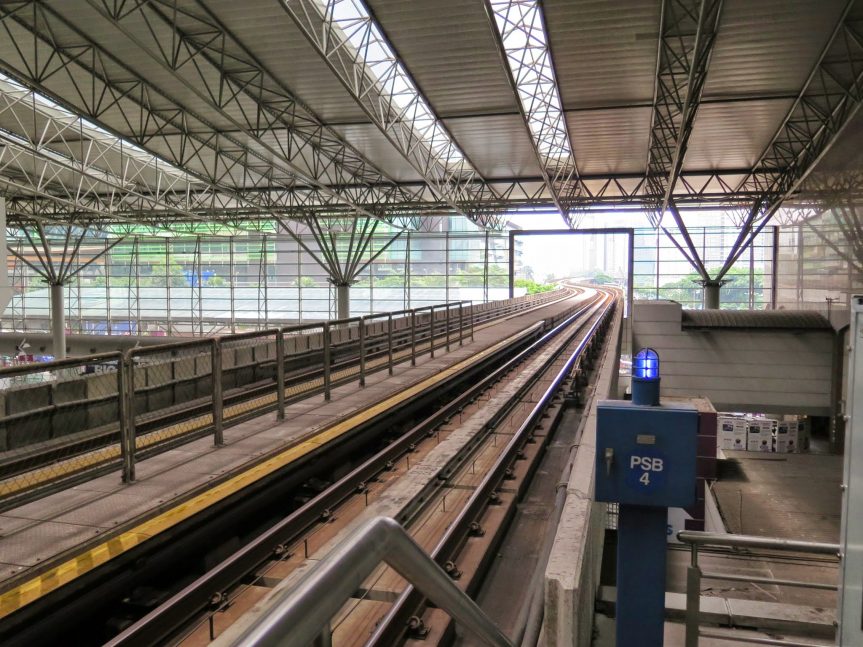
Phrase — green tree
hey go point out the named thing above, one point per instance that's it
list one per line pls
(533, 287)
(734, 294)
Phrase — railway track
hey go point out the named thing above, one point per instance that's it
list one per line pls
(100, 601)
(452, 480)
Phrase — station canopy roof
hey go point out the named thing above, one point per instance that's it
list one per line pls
(202, 111)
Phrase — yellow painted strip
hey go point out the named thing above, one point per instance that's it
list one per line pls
(68, 571)
(82, 462)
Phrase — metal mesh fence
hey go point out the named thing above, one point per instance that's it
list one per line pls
(304, 351)
(57, 420)
(249, 372)
(63, 419)
(171, 392)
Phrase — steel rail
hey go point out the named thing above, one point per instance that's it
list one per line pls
(394, 627)
(168, 618)
(94, 589)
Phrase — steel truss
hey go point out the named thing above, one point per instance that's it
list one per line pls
(53, 155)
(521, 35)
(55, 251)
(353, 46)
(831, 203)
(344, 249)
(830, 97)
(687, 35)
(61, 62)
(821, 191)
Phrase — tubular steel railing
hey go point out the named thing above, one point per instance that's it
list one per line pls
(62, 419)
(303, 615)
(694, 575)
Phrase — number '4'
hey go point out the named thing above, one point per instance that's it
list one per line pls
(645, 478)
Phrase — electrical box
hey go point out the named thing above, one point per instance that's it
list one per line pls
(645, 455)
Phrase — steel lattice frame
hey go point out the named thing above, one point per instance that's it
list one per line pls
(519, 27)
(343, 248)
(51, 55)
(353, 46)
(57, 156)
(686, 40)
(831, 96)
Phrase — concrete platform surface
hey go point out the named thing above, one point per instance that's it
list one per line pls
(675, 635)
(795, 496)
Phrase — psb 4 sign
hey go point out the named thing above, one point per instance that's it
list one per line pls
(646, 470)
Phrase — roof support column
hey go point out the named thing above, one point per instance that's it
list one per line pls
(711, 294)
(57, 261)
(344, 250)
(343, 300)
(58, 321)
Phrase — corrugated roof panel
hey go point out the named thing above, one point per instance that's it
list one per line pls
(604, 52)
(733, 135)
(448, 47)
(267, 30)
(764, 319)
(610, 141)
(499, 146)
(769, 46)
(371, 143)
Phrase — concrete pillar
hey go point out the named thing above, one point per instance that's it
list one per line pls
(343, 301)
(58, 322)
(711, 294)
(5, 285)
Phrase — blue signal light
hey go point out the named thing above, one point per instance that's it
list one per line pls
(645, 365)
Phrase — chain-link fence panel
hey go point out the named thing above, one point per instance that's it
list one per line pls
(171, 394)
(304, 359)
(58, 420)
(249, 373)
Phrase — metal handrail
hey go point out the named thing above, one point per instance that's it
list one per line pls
(696, 537)
(303, 613)
(694, 575)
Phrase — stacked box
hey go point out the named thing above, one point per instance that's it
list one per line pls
(794, 428)
(759, 436)
(781, 443)
(741, 428)
(768, 428)
(725, 432)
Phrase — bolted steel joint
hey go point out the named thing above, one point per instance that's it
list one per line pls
(417, 628)
(452, 570)
(475, 530)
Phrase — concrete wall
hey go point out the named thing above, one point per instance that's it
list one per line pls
(776, 371)
(573, 569)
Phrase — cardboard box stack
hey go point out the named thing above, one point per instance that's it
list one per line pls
(739, 432)
(732, 432)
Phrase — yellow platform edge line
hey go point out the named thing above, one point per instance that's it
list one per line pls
(75, 464)
(71, 569)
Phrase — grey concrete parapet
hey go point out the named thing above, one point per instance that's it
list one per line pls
(572, 573)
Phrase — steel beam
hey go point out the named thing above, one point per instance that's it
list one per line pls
(351, 43)
(830, 98)
(210, 62)
(51, 56)
(522, 38)
(687, 35)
